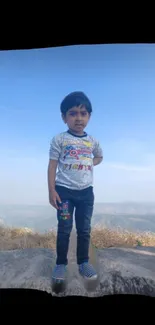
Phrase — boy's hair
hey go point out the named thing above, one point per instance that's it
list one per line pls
(76, 98)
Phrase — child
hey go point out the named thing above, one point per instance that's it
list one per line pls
(74, 153)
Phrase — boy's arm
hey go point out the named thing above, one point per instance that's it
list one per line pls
(54, 154)
(52, 167)
(98, 154)
(53, 195)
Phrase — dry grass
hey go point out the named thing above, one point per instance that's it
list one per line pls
(103, 237)
(18, 238)
(14, 238)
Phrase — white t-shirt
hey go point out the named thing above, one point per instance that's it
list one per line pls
(75, 159)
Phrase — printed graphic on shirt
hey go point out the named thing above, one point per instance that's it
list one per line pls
(77, 142)
(77, 153)
(78, 149)
(77, 167)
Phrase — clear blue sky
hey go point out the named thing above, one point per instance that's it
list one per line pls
(120, 81)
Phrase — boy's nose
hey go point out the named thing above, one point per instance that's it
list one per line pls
(79, 118)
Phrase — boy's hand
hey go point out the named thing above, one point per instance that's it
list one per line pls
(53, 198)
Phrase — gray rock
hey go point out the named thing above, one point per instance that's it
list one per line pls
(121, 270)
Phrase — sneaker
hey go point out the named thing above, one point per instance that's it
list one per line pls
(59, 273)
(87, 271)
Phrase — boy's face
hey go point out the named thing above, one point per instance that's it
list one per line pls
(77, 118)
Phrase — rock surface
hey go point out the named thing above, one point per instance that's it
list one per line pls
(122, 271)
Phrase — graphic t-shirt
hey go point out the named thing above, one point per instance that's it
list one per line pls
(75, 159)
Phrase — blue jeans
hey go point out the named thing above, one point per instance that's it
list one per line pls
(82, 201)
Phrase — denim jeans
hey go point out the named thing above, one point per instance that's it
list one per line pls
(82, 201)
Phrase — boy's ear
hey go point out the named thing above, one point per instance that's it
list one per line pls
(63, 118)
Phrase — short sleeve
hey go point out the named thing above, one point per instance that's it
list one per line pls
(97, 150)
(55, 148)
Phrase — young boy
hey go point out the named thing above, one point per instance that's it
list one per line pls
(74, 153)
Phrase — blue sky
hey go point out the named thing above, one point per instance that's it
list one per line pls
(120, 82)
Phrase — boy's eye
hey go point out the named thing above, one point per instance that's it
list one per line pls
(74, 113)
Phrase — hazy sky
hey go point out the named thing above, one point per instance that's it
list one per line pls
(120, 81)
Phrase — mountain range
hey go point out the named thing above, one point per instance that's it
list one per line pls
(129, 216)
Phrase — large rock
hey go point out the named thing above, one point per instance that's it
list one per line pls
(122, 270)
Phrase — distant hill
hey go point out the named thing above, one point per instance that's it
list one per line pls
(128, 208)
(130, 216)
